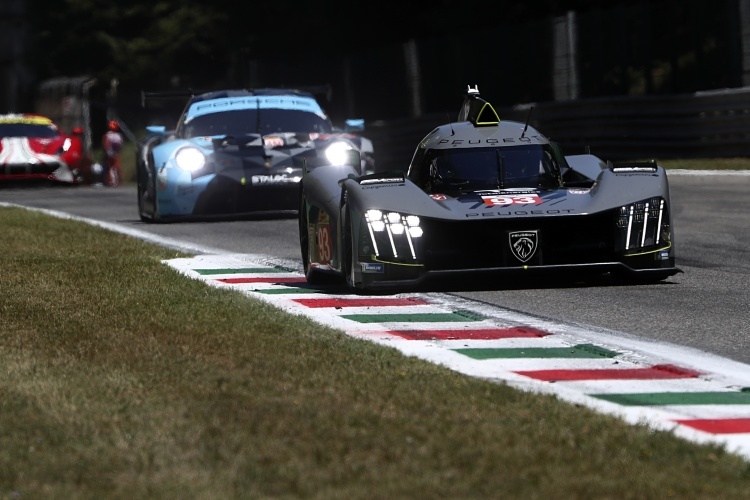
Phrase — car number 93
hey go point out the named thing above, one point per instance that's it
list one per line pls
(526, 199)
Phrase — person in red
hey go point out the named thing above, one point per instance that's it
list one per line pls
(112, 145)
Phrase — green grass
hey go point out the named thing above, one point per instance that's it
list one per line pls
(124, 379)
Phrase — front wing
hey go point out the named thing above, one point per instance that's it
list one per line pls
(504, 249)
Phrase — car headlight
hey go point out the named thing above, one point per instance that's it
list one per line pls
(190, 159)
(336, 153)
(66, 145)
(393, 234)
(644, 225)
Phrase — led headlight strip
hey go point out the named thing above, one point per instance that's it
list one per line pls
(634, 218)
(396, 226)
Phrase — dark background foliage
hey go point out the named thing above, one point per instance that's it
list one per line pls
(204, 43)
(632, 47)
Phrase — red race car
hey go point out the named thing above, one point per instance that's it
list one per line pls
(33, 147)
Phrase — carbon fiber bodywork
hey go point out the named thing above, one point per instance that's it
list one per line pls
(568, 214)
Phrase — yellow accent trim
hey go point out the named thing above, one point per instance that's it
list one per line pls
(650, 251)
(373, 257)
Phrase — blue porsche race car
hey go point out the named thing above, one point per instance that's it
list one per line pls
(239, 152)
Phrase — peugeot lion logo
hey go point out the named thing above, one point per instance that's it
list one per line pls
(523, 244)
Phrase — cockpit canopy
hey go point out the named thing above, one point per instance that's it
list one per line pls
(462, 170)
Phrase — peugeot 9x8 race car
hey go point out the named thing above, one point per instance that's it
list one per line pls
(237, 152)
(486, 199)
(32, 146)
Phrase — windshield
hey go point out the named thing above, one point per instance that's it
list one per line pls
(476, 169)
(27, 130)
(246, 121)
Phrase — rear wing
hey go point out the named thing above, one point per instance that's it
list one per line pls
(147, 96)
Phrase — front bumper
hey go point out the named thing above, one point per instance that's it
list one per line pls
(53, 171)
(505, 249)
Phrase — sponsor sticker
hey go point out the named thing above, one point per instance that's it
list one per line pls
(273, 141)
(258, 180)
(373, 267)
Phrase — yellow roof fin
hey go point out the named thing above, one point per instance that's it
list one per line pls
(476, 110)
(486, 116)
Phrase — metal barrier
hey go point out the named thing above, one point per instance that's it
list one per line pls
(699, 125)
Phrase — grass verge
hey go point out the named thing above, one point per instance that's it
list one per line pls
(124, 379)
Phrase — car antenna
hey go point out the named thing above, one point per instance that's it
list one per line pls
(528, 117)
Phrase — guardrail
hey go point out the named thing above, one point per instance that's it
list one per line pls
(713, 124)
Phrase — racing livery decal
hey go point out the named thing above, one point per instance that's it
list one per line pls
(323, 238)
(512, 199)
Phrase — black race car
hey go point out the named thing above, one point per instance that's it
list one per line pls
(487, 199)
(238, 152)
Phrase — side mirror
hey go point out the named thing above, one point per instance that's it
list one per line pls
(77, 131)
(355, 125)
(156, 130)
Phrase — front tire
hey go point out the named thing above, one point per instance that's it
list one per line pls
(348, 250)
(141, 207)
(304, 238)
(145, 176)
(313, 277)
